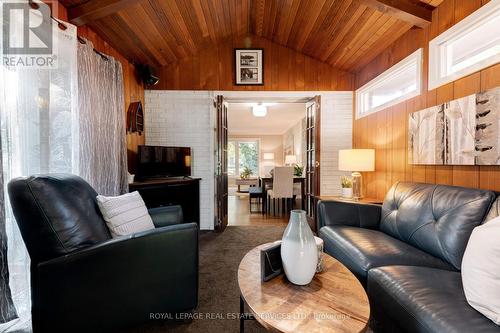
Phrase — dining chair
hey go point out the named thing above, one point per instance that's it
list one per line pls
(257, 194)
(282, 191)
(297, 190)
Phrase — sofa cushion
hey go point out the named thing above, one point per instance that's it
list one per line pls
(57, 214)
(437, 219)
(362, 249)
(125, 214)
(422, 299)
(480, 274)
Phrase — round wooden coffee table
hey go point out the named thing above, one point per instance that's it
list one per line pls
(334, 301)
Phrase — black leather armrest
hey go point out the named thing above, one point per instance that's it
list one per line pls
(166, 215)
(354, 214)
(121, 281)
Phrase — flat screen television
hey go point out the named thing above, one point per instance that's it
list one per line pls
(159, 161)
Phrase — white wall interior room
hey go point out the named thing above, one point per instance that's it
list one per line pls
(281, 119)
(186, 118)
(296, 134)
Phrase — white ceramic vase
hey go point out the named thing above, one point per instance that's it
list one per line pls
(299, 252)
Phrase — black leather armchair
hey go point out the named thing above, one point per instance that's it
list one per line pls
(84, 281)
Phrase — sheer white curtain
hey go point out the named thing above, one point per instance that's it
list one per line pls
(39, 129)
(45, 129)
(7, 309)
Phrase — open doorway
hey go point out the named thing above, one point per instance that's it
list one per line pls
(264, 133)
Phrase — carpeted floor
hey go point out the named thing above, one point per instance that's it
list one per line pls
(220, 255)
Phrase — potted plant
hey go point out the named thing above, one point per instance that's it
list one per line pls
(346, 183)
(297, 170)
(246, 173)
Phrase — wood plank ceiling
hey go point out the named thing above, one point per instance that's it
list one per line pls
(347, 34)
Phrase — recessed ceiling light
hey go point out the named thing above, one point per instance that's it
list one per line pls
(259, 111)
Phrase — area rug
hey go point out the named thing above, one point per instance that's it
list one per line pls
(220, 255)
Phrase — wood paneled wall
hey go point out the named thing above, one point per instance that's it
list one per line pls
(387, 130)
(133, 88)
(284, 69)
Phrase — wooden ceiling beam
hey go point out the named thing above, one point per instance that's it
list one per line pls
(96, 9)
(402, 9)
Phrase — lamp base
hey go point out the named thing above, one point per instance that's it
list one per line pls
(357, 181)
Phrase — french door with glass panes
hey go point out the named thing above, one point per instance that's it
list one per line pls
(221, 181)
(313, 121)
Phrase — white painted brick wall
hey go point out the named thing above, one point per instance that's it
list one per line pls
(185, 118)
(336, 134)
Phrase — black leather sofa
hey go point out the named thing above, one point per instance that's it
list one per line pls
(408, 254)
(84, 281)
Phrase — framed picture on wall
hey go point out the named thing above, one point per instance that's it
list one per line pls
(249, 67)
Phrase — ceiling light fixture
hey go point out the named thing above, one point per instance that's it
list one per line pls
(259, 110)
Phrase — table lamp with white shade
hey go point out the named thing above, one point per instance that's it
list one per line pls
(290, 159)
(357, 160)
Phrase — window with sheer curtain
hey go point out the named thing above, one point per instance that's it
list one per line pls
(39, 134)
(67, 119)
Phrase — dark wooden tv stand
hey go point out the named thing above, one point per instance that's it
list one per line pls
(183, 191)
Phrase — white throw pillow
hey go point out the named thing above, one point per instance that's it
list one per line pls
(480, 270)
(125, 214)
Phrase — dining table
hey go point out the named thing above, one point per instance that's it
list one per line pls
(266, 181)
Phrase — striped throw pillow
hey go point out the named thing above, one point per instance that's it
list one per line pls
(125, 214)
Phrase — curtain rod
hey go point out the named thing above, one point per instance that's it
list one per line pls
(63, 27)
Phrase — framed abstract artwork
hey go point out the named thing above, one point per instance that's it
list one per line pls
(464, 131)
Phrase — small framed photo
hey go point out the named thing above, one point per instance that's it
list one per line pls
(270, 262)
(249, 66)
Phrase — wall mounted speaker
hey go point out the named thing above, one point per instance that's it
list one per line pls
(147, 75)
